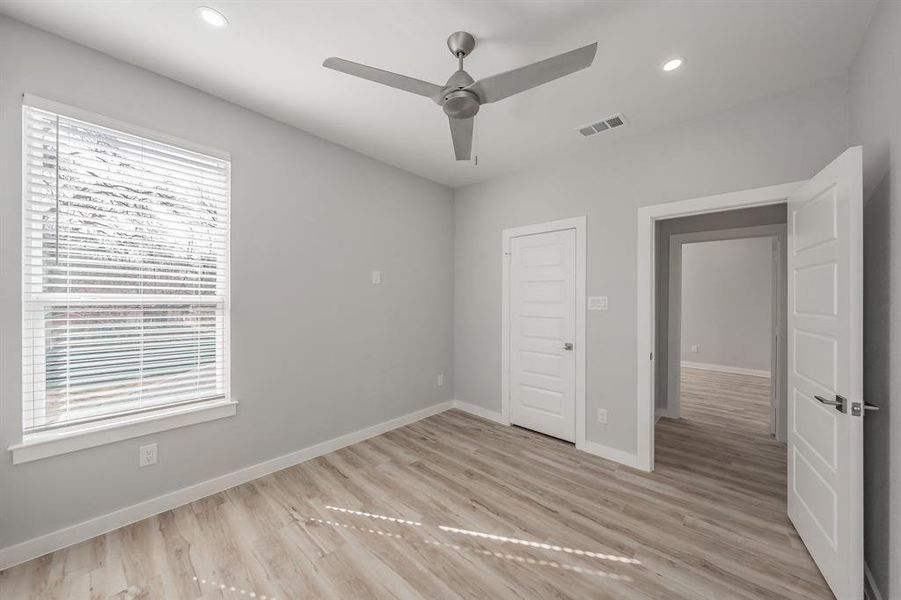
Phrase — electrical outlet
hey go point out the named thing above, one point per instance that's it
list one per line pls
(147, 455)
(695, 348)
(602, 415)
(440, 379)
(376, 277)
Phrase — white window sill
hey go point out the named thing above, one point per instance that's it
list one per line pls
(44, 445)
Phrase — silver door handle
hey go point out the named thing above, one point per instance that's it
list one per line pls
(568, 346)
(840, 403)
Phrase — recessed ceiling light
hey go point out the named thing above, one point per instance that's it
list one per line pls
(212, 17)
(673, 63)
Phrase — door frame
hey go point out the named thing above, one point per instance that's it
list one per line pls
(778, 315)
(646, 326)
(579, 225)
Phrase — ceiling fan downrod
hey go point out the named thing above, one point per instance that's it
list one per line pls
(460, 103)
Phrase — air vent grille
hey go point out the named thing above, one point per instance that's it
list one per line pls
(611, 122)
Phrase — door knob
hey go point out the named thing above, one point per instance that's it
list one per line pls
(568, 346)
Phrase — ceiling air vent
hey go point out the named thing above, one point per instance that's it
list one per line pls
(611, 122)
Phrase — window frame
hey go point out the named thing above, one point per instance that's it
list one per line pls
(37, 445)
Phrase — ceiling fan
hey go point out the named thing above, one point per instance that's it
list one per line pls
(461, 96)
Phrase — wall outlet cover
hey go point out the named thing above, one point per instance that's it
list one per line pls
(147, 455)
(440, 379)
(376, 277)
(602, 415)
(695, 348)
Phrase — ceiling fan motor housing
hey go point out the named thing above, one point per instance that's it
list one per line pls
(461, 104)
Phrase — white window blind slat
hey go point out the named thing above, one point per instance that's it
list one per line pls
(125, 273)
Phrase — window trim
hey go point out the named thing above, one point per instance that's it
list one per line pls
(98, 433)
(40, 445)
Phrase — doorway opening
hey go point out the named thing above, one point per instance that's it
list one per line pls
(722, 361)
(720, 340)
(722, 302)
(823, 487)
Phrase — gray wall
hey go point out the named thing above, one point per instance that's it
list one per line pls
(772, 214)
(875, 122)
(780, 139)
(317, 350)
(727, 302)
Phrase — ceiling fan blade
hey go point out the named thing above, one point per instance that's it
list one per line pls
(401, 82)
(504, 85)
(461, 133)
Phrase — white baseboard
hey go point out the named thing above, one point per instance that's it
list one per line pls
(871, 590)
(614, 454)
(485, 413)
(86, 530)
(725, 369)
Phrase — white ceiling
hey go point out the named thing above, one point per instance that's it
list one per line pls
(269, 60)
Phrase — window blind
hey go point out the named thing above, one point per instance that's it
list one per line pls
(125, 273)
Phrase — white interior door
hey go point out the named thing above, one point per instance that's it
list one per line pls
(542, 332)
(825, 444)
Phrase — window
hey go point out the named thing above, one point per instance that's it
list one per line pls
(125, 272)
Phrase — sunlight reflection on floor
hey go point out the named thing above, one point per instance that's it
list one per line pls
(416, 540)
(230, 588)
(373, 516)
(542, 545)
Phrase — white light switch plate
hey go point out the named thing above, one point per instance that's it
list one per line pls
(695, 348)
(376, 277)
(597, 302)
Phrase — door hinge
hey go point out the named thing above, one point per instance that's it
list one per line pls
(652, 356)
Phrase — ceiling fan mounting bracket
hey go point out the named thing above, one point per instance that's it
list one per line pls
(461, 44)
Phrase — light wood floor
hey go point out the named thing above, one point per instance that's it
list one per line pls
(455, 506)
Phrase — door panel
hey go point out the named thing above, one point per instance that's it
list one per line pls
(825, 283)
(808, 282)
(816, 425)
(542, 321)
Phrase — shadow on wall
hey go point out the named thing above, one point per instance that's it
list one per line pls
(877, 384)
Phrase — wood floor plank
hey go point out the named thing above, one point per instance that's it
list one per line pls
(455, 506)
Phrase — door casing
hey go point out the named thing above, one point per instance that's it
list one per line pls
(646, 300)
